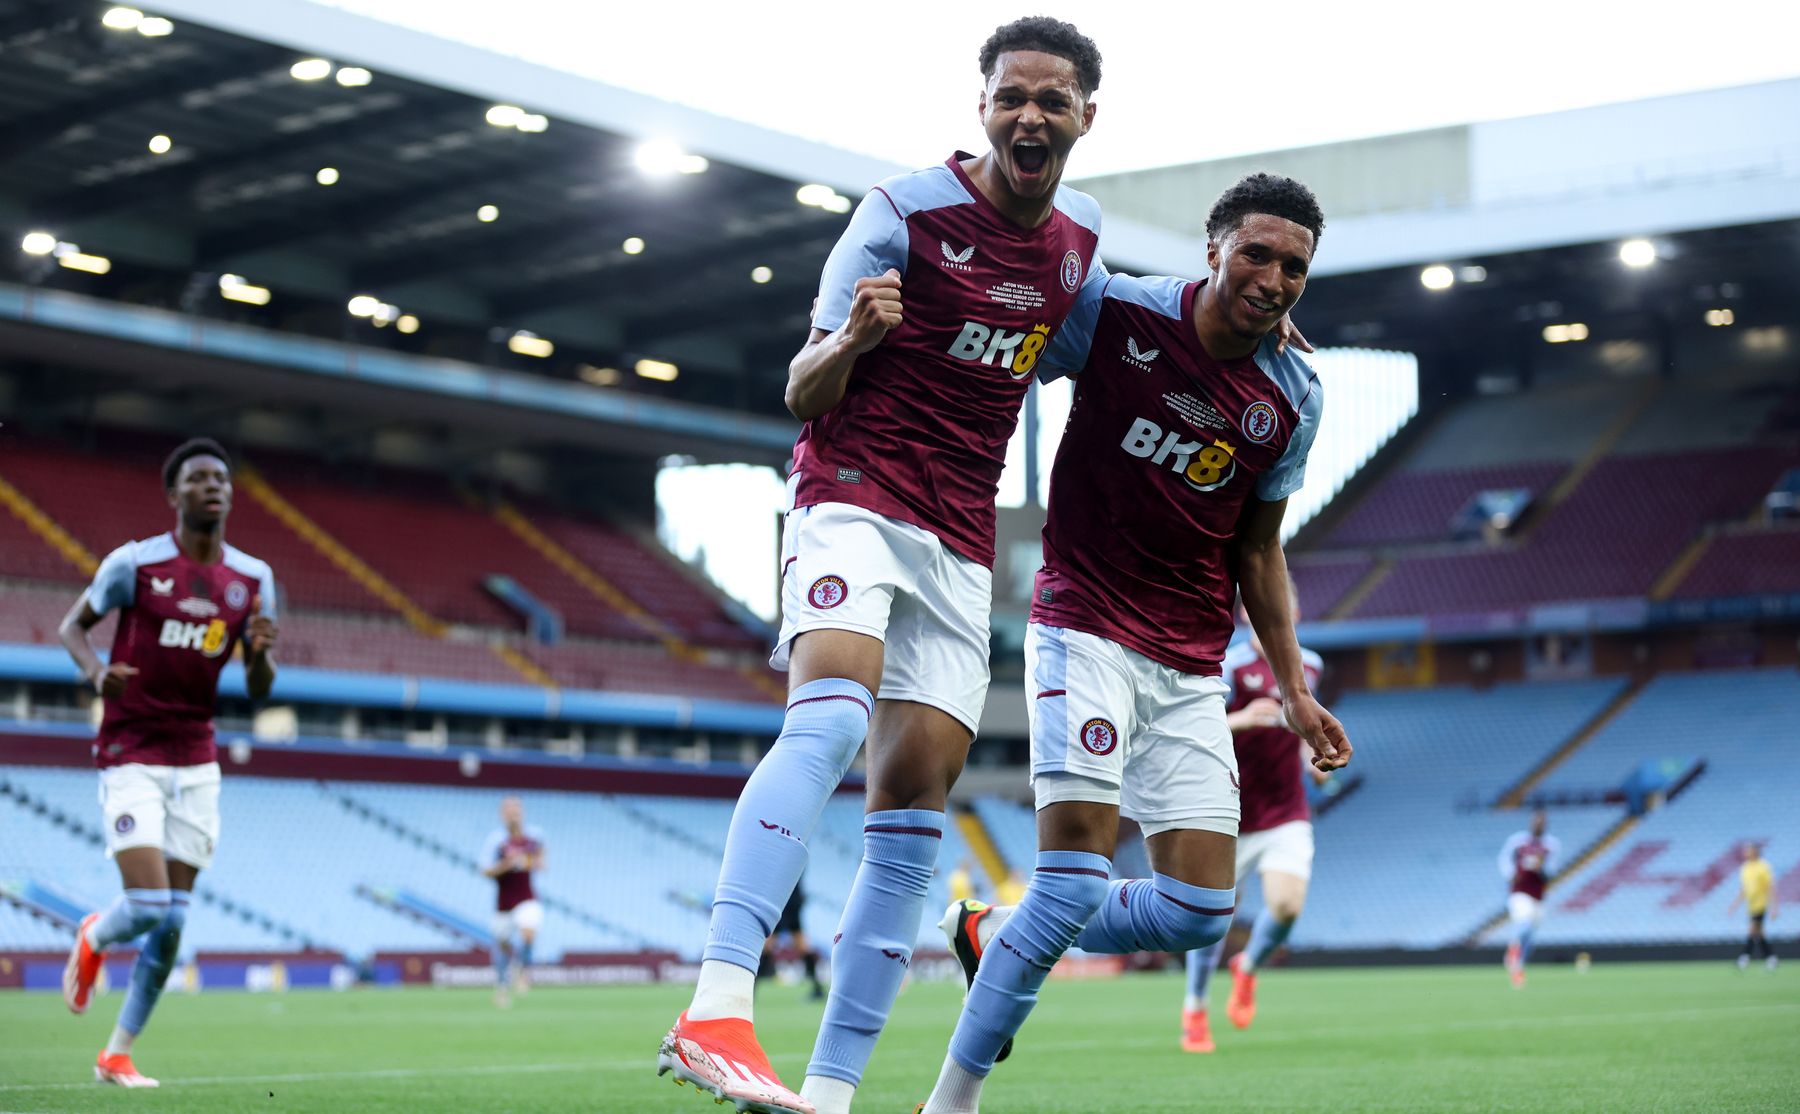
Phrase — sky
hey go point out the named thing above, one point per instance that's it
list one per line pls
(1180, 83)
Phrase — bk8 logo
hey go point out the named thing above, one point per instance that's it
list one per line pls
(1016, 352)
(1204, 467)
(208, 638)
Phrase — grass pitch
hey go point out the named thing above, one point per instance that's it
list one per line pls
(1681, 1037)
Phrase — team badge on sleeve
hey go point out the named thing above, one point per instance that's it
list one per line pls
(1071, 271)
(1259, 422)
(827, 592)
(1099, 736)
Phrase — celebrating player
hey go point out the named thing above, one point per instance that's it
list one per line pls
(186, 600)
(514, 852)
(888, 550)
(1526, 864)
(1275, 836)
(1756, 891)
(1189, 431)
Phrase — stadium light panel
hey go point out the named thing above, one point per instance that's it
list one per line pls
(363, 305)
(310, 69)
(488, 214)
(78, 260)
(327, 176)
(1720, 317)
(1637, 253)
(233, 288)
(814, 194)
(530, 344)
(1471, 273)
(761, 275)
(505, 115)
(600, 376)
(354, 77)
(660, 158)
(533, 122)
(838, 203)
(1563, 334)
(660, 370)
(407, 324)
(161, 144)
(155, 27)
(633, 245)
(122, 19)
(37, 243)
(1437, 277)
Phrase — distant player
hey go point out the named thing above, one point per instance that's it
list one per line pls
(1756, 892)
(514, 853)
(790, 930)
(1275, 835)
(1188, 433)
(909, 402)
(1527, 862)
(186, 601)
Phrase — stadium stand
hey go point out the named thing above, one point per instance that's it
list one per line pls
(333, 618)
(1409, 859)
(1671, 876)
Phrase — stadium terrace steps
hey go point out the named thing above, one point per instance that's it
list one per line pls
(1371, 581)
(1743, 563)
(1610, 539)
(46, 530)
(1415, 507)
(1515, 796)
(1323, 582)
(975, 832)
(603, 589)
(335, 551)
(453, 925)
(45, 794)
(1586, 855)
(401, 830)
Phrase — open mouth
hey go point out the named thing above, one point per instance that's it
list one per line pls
(1030, 158)
(1261, 307)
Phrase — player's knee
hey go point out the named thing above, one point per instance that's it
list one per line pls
(1084, 894)
(147, 914)
(1182, 926)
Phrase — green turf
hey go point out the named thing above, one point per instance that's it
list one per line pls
(1693, 1037)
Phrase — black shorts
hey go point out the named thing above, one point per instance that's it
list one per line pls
(790, 916)
(1756, 920)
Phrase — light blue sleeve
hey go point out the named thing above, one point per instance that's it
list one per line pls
(1289, 472)
(875, 241)
(115, 582)
(270, 598)
(1067, 352)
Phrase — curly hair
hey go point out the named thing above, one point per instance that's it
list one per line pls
(186, 451)
(1051, 36)
(1265, 193)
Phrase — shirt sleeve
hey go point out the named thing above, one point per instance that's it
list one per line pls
(1067, 352)
(490, 854)
(1507, 852)
(875, 241)
(115, 582)
(1289, 473)
(268, 597)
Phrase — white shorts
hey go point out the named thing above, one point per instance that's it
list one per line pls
(175, 808)
(525, 916)
(1285, 848)
(1135, 733)
(846, 568)
(1524, 909)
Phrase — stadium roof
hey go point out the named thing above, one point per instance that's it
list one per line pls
(325, 156)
